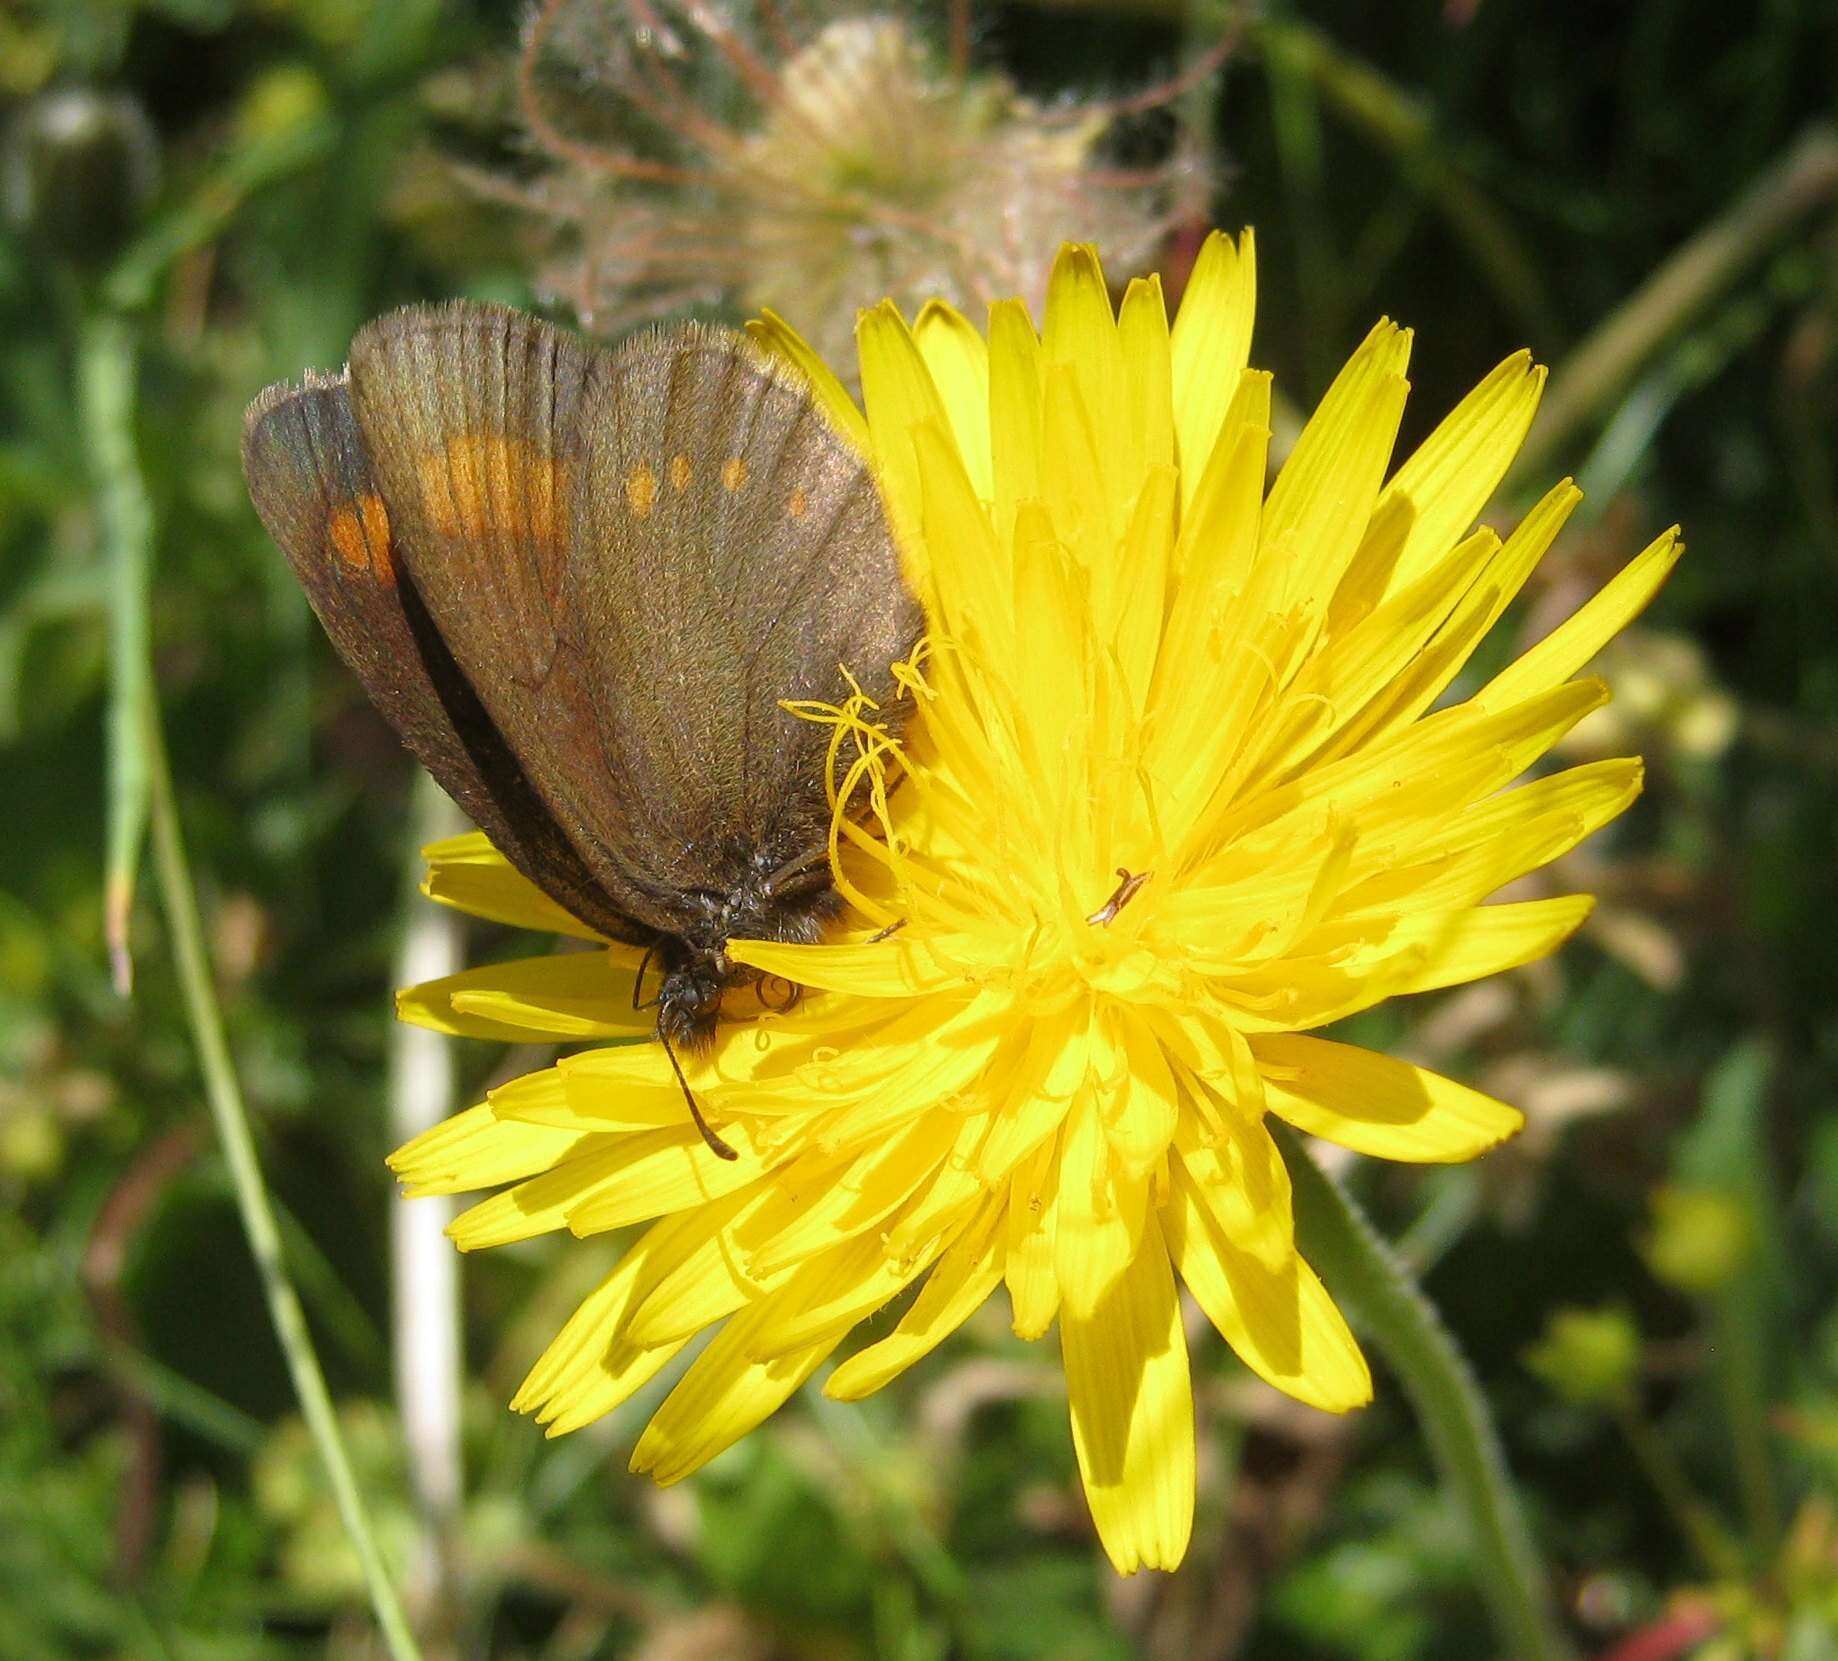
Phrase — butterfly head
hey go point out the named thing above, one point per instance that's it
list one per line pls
(689, 1001)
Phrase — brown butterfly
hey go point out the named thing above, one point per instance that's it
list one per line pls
(578, 581)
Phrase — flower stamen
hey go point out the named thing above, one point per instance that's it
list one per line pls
(1126, 891)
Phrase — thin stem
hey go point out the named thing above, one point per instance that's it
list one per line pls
(1387, 1306)
(426, 1301)
(105, 384)
(1599, 369)
(1743, 1367)
(180, 903)
(1716, 1550)
(109, 435)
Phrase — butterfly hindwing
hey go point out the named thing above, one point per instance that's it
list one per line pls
(730, 552)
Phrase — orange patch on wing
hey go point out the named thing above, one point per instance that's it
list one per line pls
(733, 473)
(680, 472)
(360, 533)
(799, 505)
(640, 490)
(486, 484)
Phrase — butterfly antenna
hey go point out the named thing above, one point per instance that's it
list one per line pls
(716, 1145)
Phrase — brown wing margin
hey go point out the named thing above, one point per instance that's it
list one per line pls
(311, 481)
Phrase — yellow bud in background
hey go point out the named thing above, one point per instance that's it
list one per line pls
(31, 1143)
(1700, 1237)
(280, 103)
(1589, 1356)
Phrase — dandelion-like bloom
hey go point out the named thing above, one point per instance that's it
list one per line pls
(1181, 786)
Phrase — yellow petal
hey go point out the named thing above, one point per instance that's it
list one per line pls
(610, 1181)
(901, 398)
(1486, 746)
(1485, 940)
(1037, 1087)
(956, 1192)
(959, 1283)
(1461, 862)
(1086, 514)
(583, 1338)
(1420, 682)
(547, 1098)
(1079, 342)
(1099, 1219)
(851, 1197)
(1014, 410)
(1365, 583)
(974, 588)
(656, 1172)
(1051, 651)
(1211, 345)
(840, 1047)
(1277, 1317)
(539, 1203)
(1147, 428)
(475, 1150)
(1212, 561)
(469, 874)
(1141, 1119)
(621, 1372)
(784, 342)
(896, 967)
(1132, 1414)
(1342, 678)
(585, 1371)
(1571, 645)
(1225, 924)
(700, 1278)
(564, 995)
(1145, 556)
(1032, 1229)
(834, 1291)
(1376, 1105)
(1240, 1177)
(1452, 474)
(722, 1396)
(1322, 500)
(958, 358)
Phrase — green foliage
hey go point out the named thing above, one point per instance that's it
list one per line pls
(1497, 175)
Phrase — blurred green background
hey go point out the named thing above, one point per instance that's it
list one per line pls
(203, 196)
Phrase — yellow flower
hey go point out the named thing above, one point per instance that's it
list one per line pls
(1182, 786)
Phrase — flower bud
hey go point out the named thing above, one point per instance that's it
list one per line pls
(1588, 1356)
(1700, 1238)
(78, 170)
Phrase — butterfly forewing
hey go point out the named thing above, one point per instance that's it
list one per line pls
(471, 418)
(312, 483)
